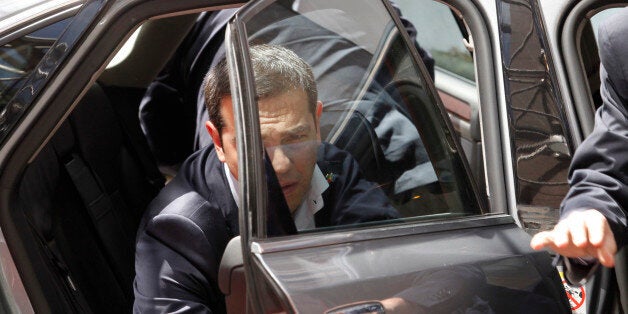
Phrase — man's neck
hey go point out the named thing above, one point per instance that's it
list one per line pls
(304, 214)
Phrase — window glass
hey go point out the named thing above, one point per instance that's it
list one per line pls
(440, 34)
(10, 7)
(539, 132)
(443, 35)
(20, 56)
(385, 152)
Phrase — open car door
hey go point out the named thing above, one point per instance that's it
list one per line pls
(443, 251)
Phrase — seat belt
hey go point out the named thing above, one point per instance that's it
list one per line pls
(100, 209)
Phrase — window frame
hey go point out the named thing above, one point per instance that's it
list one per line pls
(495, 138)
(250, 151)
(570, 49)
(253, 237)
(108, 23)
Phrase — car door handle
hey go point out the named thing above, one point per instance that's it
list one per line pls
(370, 307)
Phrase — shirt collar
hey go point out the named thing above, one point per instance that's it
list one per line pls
(233, 185)
(304, 215)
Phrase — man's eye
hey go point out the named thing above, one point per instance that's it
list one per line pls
(296, 138)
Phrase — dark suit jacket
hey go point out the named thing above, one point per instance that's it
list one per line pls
(185, 231)
(599, 170)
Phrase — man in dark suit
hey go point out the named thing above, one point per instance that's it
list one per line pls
(175, 97)
(593, 217)
(184, 233)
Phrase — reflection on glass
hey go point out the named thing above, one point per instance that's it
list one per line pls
(11, 7)
(537, 119)
(20, 56)
(375, 106)
(440, 34)
(466, 289)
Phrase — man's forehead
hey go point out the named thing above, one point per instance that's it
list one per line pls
(295, 96)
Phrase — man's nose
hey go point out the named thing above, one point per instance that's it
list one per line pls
(279, 159)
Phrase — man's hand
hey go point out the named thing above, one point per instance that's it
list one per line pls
(581, 234)
(401, 306)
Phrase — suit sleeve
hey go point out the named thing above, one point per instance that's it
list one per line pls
(599, 169)
(354, 199)
(161, 108)
(177, 265)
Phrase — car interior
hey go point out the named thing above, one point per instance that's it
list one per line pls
(81, 198)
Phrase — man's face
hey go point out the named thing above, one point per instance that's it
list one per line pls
(291, 137)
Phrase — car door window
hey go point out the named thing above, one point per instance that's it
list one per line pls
(386, 152)
(443, 33)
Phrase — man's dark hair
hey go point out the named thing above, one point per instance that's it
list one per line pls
(276, 69)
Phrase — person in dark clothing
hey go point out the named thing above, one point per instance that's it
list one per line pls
(175, 97)
(185, 231)
(593, 214)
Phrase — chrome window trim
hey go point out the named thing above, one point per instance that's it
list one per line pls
(262, 246)
(18, 26)
(500, 157)
(498, 174)
(249, 149)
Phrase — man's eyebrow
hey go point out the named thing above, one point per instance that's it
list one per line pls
(297, 129)
(293, 131)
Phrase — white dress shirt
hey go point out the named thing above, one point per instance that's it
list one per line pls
(304, 215)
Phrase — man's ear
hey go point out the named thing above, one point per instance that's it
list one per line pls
(319, 112)
(215, 135)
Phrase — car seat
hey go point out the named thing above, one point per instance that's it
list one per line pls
(83, 196)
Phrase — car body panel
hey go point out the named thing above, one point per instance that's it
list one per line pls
(465, 263)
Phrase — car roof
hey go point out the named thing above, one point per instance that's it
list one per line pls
(16, 13)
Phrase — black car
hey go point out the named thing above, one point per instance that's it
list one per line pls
(473, 153)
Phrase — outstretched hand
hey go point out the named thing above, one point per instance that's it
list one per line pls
(581, 234)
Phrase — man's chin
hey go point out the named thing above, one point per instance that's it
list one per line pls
(293, 203)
